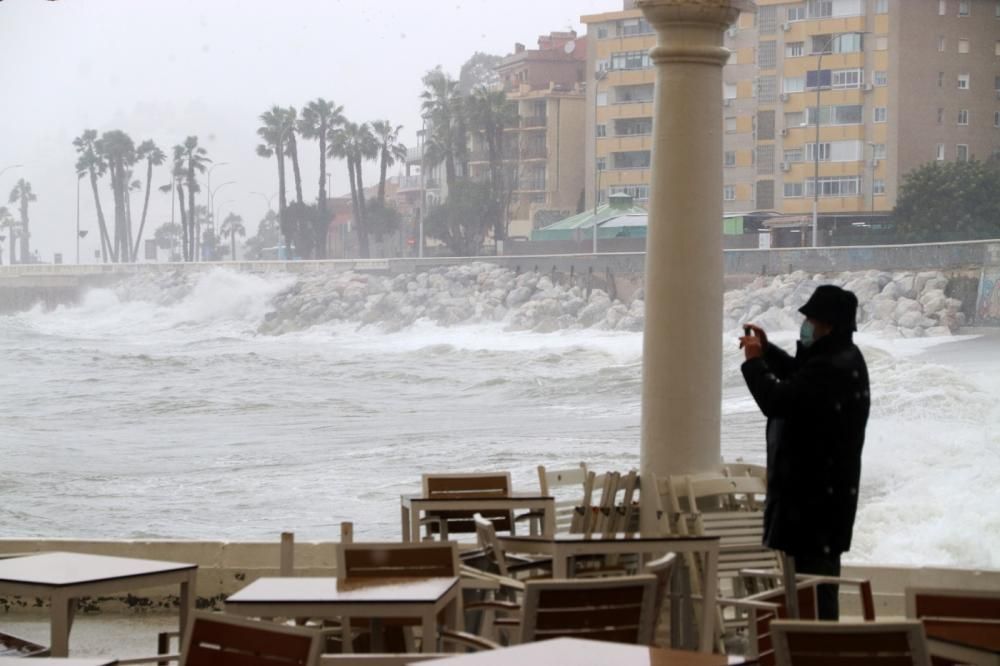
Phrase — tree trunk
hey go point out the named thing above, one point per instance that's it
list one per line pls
(185, 241)
(232, 241)
(362, 204)
(293, 149)
(25, 234)
(145, 208)
(194, 253)
(127, 240)
(116, 188)
(13, 243)
(105, 241)
(279, 152)
(356, 195)
(381, 181)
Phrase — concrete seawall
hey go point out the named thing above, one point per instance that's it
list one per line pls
(22, 286)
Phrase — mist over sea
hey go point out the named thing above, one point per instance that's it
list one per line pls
(133, 419)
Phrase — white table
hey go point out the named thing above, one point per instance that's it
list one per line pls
(65, 577)
(46, 661)
(422, 599)
(579, 652)
(964, 641)
(563, 547)
(412, 505)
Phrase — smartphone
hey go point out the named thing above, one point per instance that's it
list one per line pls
(747, 331)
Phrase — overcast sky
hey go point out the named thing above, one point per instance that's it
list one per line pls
(167, 69)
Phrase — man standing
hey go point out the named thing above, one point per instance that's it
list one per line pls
(816, 406)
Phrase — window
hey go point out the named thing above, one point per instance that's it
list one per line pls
(793, 190)
(847, 78)
(631, 159)
(602, 130)
(882, 43)
(940, 152)
(881, 114)
(835, 186)
(767, 55)
(940, 79)
(733, 59)
(940, 116)
(996, 12)
(795, 119)
(630, 94)
(996, 47)
(963, 117)
(793, 155)
(602, 163)
(767, 89)
(765, 125)
(942, 44)
(962, 152)
(847, 114)
(602, 99)
(794, 49)
(996, 84)
(638, 192)
(765, 158)
(728, 91)
(824, 152)
(630, 27)
(729, 193)
(630, 60)
(730, 125)
(942, 7)
(881, 6)
(963, 7)
(963, 81)
(767, 20)
(836, 151)
(633, 126)
(878, 187)
(765, 194)
(845, 43)
(963, 46)
(820, 8)
(879, 151)
(729, 158)
(821, 78)
(602, 31)
(798, 13)
(793, 85)
(880, 78)
(996, 119)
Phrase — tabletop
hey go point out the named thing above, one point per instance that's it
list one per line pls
(444, 499)
(588, 653)
(60, 569)
(563, 537)
(979, 635)
(34, 661)
(316, 590)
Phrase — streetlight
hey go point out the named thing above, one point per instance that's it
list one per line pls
(599, 75)
(819, 90)
(268, 199)
(212, 199)
(872, 183)
(12, 166)
(208, 193)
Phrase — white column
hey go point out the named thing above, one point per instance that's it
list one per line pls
(682, 353)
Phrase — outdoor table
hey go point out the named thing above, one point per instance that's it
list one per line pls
(412, 505)
(373, 598)
(65, 577)
(964, 641)
(563, 547)
(581, 652)
(55, 661)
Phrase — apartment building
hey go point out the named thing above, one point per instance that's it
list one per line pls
(899, 83)
(542, 151)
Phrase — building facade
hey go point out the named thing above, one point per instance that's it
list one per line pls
(899, 83)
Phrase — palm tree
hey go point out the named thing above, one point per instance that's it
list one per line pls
(440, 107)
(150, 152)
(319, 119)
(7, 220)
(366, 150)
(292, 147)
(91, 163)
(390, 150)
(273, 133)
(233, 227)
(194, 159)
(490, 114)
(118, 150)
(22, 195)
(177, 173)
(355, 143)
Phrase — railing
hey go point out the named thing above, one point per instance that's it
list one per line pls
(533, 121)
(409, 183)
(535, 153)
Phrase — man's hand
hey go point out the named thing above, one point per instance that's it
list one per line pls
(753, 344)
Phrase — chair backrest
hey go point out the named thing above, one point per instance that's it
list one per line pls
(381, 659)
(216, 638)
(663, 569)
(951, 604)
(467, 486)
(744, 469)
(618, 609)
(802, 643)
(486, 539)
(427, 559)
(568, 486)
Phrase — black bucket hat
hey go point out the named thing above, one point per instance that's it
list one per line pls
(834, 306)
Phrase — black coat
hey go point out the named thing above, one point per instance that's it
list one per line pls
(816, 406)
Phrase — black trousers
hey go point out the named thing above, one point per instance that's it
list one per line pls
(827, 600)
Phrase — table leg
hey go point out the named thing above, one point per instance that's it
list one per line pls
(405, 519)
(710, 590)
(186, 606)
(60, 619)
(428, 637)
(559, 569)
(454, 618)
(346, 636)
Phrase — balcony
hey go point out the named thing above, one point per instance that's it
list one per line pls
(529, 122)
(409, 183)
(535, 153)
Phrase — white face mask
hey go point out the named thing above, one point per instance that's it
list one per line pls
(807, 333)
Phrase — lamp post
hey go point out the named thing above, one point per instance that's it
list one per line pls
(819, 89)
(422, 210)
(871, 184)
(209, 195)
(12, 166)
(78, 179)
(599, 75)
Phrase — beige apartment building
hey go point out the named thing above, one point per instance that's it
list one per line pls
(900, 82)
(542, 152)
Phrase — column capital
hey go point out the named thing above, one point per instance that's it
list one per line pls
(719, 12)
